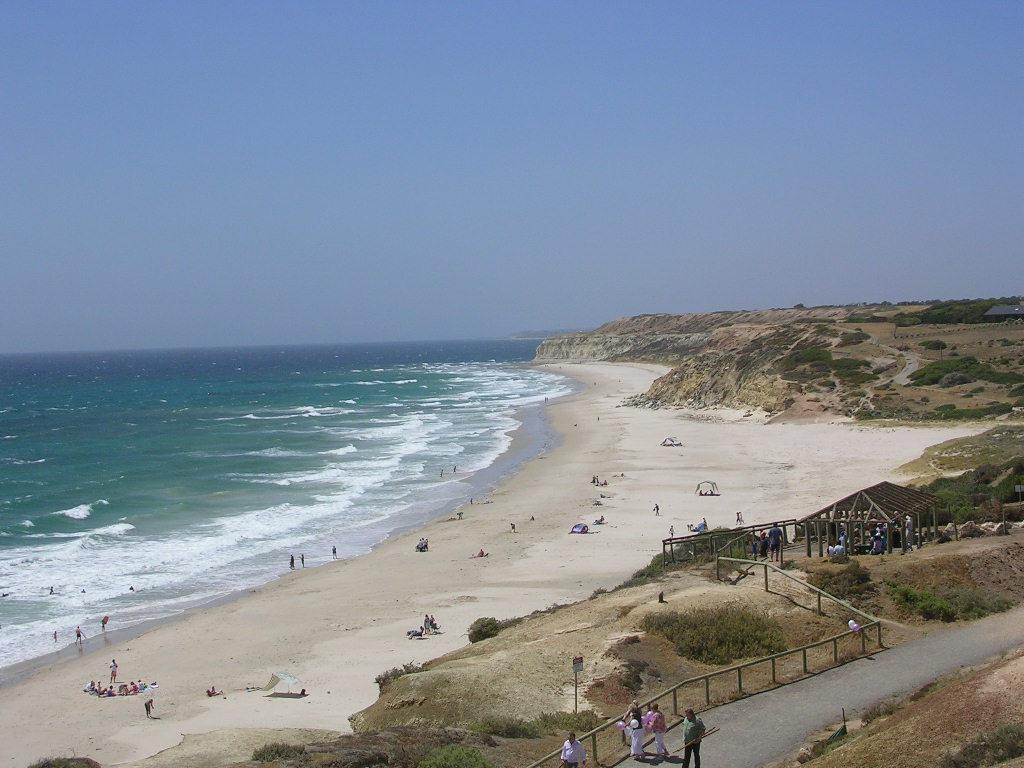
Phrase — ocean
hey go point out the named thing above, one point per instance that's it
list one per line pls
(140, 484)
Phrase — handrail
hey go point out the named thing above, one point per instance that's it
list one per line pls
(738, 530)
(801, 582)
(737, 669)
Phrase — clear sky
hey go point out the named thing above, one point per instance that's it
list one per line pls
(215, 173)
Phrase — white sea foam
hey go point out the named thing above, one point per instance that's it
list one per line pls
(340, 451)
(82, 511)
(28, 524)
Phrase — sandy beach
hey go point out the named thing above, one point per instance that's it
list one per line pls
(336, 627)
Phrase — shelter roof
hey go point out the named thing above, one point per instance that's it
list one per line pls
(883, 501)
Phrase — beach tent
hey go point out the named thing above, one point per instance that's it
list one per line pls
(281, 677)
(707, 488)
(671, 442)
(580, 528)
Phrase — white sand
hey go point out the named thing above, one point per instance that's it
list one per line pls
(338, 626)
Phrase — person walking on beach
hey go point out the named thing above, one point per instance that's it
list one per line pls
(303, 559)
(739, 518)
(55, 635)
(671, 531)
(573, 753)
(78, 635)
(693, 732)
(658, 728)
(103, 623)
(149, 708)
(334, 553)
(291, 562)
(657, 511)
(513, 527)
(113, 670)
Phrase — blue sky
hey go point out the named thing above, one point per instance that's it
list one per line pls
(176, 174)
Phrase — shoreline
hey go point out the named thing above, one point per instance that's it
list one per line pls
(336, 628)
(532, 437)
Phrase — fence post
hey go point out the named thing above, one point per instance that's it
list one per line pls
(718, 569)
(707, 690)
(739, 679)
(819, 603)
(766, 577)
(675, 702)
(593, 748)
(835, 650)
(880, 634)
(774, 678)
(805, 660)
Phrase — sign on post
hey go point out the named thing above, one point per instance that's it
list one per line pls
(577, 667)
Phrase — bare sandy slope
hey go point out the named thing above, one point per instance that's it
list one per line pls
(337, 626)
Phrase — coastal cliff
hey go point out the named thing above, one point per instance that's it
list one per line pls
(864, 361)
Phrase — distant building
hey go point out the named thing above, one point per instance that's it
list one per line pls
(1005, 312)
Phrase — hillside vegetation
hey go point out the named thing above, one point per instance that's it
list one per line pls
(937, 361)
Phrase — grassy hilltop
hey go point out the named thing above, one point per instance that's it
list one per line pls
(934, 361)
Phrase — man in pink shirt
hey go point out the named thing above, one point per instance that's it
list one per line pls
(658, 728)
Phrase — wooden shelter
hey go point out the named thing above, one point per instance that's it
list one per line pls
(884, 504)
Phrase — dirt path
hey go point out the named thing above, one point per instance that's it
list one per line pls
(766, 727)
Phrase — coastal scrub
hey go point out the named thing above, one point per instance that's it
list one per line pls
(718, 634)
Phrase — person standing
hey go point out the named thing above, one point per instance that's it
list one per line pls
(302, 559)
(657, 511)
(103, 623)
(908, 535)
(658, 728)
(755, 545)
(775, 542)
(113, 670)
(78, 635)
(149, 708)
(513, 527)
(573, 753)
(671, 531)
(693, 732)
(291, 562)
(334, 553)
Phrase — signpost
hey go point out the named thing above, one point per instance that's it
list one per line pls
(577, 667)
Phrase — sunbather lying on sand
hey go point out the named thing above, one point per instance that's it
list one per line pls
(481, 553)
(212, 691)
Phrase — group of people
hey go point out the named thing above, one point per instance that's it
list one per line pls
(595, 480)
(429, 627)
(767, 544)
(132, 688)
(635, 725)
(423, 545)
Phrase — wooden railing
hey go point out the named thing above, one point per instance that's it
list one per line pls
(710, 543)
(770, 663)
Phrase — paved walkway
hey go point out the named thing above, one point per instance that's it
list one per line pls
(766, 727)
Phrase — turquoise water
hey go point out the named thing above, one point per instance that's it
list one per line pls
(190, 474)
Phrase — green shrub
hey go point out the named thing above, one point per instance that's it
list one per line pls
(1004, 743)
(850, 581)
(950, 412)
(969, 366)
(852, 337)
(947, 603)
(718, 634)
(65, 762)
(881, 709)
(483, 628)
(277, 751)
(934, 344)
(580, 722)
(454, 756)
(384, 679)
(506, 727)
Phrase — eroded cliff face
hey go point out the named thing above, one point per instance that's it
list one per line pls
(717, 359)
